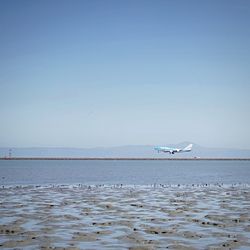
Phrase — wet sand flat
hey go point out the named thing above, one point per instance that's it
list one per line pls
(125, 217)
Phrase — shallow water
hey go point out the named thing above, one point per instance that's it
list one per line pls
(125, 172)
(115, 217)
(125, 204)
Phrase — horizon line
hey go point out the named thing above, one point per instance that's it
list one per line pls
(127, 158)
(118, 146)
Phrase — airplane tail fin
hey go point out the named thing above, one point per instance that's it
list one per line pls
(188, 148)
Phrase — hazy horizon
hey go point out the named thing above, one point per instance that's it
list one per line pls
(125, 151)
(179, 144)
(87, 74)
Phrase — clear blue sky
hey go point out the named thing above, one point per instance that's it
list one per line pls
(107, 73)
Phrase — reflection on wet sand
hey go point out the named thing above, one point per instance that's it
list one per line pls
(125, 217)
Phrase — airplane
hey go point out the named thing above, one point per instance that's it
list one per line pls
(173, 150)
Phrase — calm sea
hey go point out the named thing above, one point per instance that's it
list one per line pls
(40, 172)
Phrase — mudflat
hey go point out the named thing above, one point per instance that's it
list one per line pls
(125, 217)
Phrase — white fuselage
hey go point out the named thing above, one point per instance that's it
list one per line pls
(173, 150)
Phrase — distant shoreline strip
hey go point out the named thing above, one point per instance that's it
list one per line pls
(123, 159)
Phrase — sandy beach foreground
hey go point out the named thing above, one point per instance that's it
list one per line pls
(125, 217)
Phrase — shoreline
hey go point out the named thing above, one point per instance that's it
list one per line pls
(127, 158)
(151, 186)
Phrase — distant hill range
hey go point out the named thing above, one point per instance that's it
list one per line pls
(140, 151)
